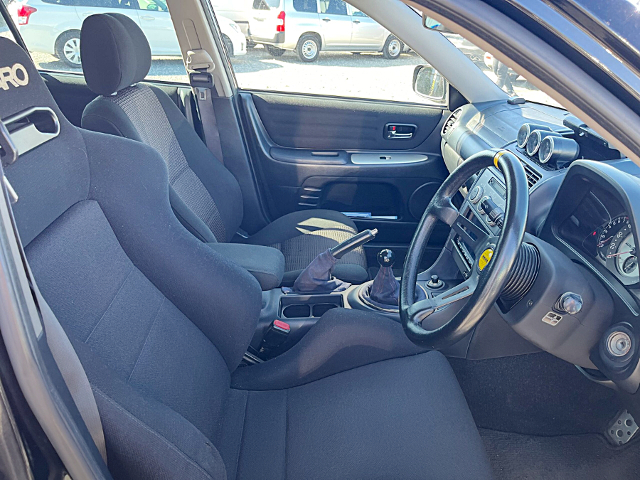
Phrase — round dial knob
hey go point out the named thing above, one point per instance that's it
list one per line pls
(475, 194)
(570, 303)
(386, 258)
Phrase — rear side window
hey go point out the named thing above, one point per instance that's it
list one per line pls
(305, 6)
(265, 4)
(333, 7)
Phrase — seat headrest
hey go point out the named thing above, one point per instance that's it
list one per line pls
(115, 52)
(21, 86)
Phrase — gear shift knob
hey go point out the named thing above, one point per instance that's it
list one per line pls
(386, 258)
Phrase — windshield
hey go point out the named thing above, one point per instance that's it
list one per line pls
(620, 16)
(508, 80)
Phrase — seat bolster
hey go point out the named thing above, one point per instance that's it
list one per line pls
(341, 340)
(208, 288)
(104, 116)
(190, 220)
(222, 186)
(146, 439)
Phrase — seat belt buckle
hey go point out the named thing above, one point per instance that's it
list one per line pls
(276, 335)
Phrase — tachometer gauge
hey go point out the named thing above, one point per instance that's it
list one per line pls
(617, 247)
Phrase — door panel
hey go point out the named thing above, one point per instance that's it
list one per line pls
(302, 121)
(303, 150)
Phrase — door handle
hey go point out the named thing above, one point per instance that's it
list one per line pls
(399, 131)
(356, 21)
(147, 17)
(326, 19)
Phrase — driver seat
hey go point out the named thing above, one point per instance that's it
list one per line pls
(160, 323)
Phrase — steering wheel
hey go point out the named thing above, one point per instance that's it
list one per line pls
(494, 256)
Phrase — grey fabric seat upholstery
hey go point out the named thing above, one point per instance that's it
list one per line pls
(206, 197)
(160, 323)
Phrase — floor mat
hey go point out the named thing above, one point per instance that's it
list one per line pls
(535, 394)
(584, 457)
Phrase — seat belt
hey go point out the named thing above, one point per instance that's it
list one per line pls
(62, 351)
(200, 67)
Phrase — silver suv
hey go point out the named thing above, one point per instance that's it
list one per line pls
(308, 26)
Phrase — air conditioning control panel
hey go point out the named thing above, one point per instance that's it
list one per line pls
(487, 200)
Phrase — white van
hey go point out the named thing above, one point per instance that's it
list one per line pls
(309, 26)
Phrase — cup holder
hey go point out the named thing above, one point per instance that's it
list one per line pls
(320, 309)
(296, 311)
(308, 306)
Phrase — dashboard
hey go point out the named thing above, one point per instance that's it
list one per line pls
(584, 202)
(595, 223)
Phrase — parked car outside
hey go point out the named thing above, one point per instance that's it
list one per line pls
(309, 26)
(237, 10)
(53, 26)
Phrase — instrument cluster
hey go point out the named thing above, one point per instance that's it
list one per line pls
(601, 229)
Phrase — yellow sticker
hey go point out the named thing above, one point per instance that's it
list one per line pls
(497, 156)
(485, 258)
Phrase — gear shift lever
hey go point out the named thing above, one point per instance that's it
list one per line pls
(385, 288)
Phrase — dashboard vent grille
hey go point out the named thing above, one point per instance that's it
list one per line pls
(532, 175)
(453, 118)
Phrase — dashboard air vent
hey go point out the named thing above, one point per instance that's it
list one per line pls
(453, 118)
(532, 175)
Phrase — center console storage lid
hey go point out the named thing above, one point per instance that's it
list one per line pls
(264, 263)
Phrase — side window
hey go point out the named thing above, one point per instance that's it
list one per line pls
(290, 48)
(4, 28)
(153, 5)
(51, 31)
(333, 7)
(305, 6)
(265, 4)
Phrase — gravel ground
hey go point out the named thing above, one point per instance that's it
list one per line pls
(335, 73)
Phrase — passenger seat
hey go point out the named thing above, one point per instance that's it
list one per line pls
(205, 196)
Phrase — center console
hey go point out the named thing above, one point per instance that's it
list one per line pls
(301, 311)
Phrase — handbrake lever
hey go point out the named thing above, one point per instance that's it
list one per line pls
(354, 242)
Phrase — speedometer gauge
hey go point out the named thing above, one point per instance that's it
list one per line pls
(617, 248)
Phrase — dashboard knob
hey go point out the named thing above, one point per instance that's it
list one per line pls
(570, 303)
(481, 210)
(435, 282)
(475, 194)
